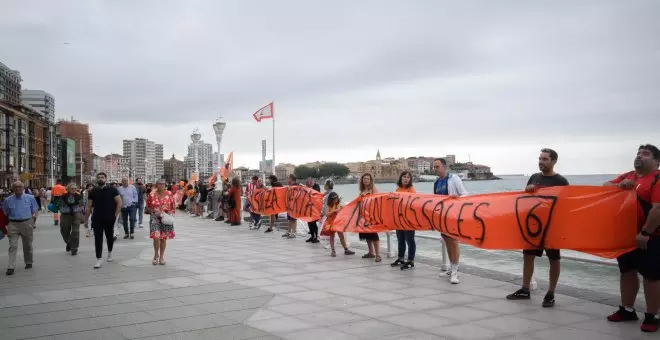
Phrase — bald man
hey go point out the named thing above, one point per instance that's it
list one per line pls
(21, 210)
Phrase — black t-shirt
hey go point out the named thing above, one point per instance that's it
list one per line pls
(203, 193)
(276, 184)
(141, 189)
(555, 180)
(316, 187)
(103, 201)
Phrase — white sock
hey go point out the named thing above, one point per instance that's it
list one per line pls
(454, 267)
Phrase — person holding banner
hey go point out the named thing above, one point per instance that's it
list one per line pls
(403, 237)
(546, 178)
(332, 204)
(367, 187)
(274, 183)
(448, 184)
(645, 180)
(313, 225)
(291, 221)
(234, 199)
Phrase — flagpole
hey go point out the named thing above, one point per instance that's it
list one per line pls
(272, 108)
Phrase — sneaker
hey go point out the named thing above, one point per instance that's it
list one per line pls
(98, 263)
(68, 248)
(309, 239)
(548, 300)
(408, 265)
(28, 266)
(132, 237)
(397, 263)
(126, 237)
(348, 252)
(622, 315)
(141, 226)
(269, 230)
(109, 257)
(74, 252)
(285, 234)
(315, 241)
(10, 271)
(520, 294)
(291, 236)
(650, 324)
(453, 278)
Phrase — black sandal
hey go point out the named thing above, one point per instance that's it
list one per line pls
(397, 263)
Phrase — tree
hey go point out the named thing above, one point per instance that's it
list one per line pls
(333, 170)
(302, 172)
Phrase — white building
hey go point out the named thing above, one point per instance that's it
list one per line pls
(40, 100)
(116, 167)
(142, 157)
(160, 166)
(205, 159)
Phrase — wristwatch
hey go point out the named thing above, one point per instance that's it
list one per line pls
(645, 233)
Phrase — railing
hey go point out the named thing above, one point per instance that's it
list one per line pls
(445, 257)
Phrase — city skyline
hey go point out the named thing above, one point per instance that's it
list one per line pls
(496, 83)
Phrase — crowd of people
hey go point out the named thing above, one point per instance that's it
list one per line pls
(104, 204)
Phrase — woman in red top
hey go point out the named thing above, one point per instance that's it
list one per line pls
(160, 202)
(234, 194)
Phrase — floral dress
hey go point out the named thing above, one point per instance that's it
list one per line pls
(158, 230)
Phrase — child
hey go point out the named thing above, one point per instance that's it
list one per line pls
(334, 205)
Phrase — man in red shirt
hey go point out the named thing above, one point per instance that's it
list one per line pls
(645, 180)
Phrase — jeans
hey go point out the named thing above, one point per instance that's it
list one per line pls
(101, 226)
(140, 212)
(313, 229)
(70, 229)
(404, 237)
(125, 214)
(256, 218)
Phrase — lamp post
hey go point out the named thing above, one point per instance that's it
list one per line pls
(219, 128)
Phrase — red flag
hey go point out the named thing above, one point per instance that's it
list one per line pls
(264, 112)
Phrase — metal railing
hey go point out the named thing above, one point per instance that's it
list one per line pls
(445, 257)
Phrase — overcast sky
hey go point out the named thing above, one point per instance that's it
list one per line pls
(490, 80)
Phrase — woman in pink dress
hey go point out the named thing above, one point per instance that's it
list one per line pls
(161, 227)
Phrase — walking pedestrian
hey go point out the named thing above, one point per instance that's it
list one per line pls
(71, 208)
(162, 208)
(141, 190)
(21, 211)
(129, 198)
(104, 204)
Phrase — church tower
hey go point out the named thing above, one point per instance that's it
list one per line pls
(378, 155)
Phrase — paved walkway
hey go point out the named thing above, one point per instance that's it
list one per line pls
(224, 282)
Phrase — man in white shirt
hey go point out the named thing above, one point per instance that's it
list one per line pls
(129, 198)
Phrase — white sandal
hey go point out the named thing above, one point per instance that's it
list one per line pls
(155, 261)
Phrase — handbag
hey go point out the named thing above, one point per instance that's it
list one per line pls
(166, 219)
(52, 207)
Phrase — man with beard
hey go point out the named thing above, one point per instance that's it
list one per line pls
(646, 259)
(546, 178)
(104, 204)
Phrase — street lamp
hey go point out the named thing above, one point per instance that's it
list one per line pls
(219, 128)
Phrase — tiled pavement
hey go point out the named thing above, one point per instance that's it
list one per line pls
(224, 282)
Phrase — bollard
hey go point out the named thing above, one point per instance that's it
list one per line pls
(389, 244)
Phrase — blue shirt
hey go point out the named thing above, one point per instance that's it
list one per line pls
(20, 208)
(129, 195)
(441, 187)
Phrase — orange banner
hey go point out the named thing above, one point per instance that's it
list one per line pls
(596, 220)
(298, 201)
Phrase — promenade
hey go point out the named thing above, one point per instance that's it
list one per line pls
(224, 282)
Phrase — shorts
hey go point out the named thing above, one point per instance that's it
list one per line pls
(289, 218)
(552, 254)
(646, 262)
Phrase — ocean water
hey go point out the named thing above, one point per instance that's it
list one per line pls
(594, 276)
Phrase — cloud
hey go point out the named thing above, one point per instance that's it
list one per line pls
(350, 77)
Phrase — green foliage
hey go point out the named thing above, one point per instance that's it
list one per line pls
(302, 172)
(333, 170)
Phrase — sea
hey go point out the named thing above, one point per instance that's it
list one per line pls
(598, 275)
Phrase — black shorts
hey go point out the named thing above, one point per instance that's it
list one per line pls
(646, 262)
(289, 218)
(552, 254)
